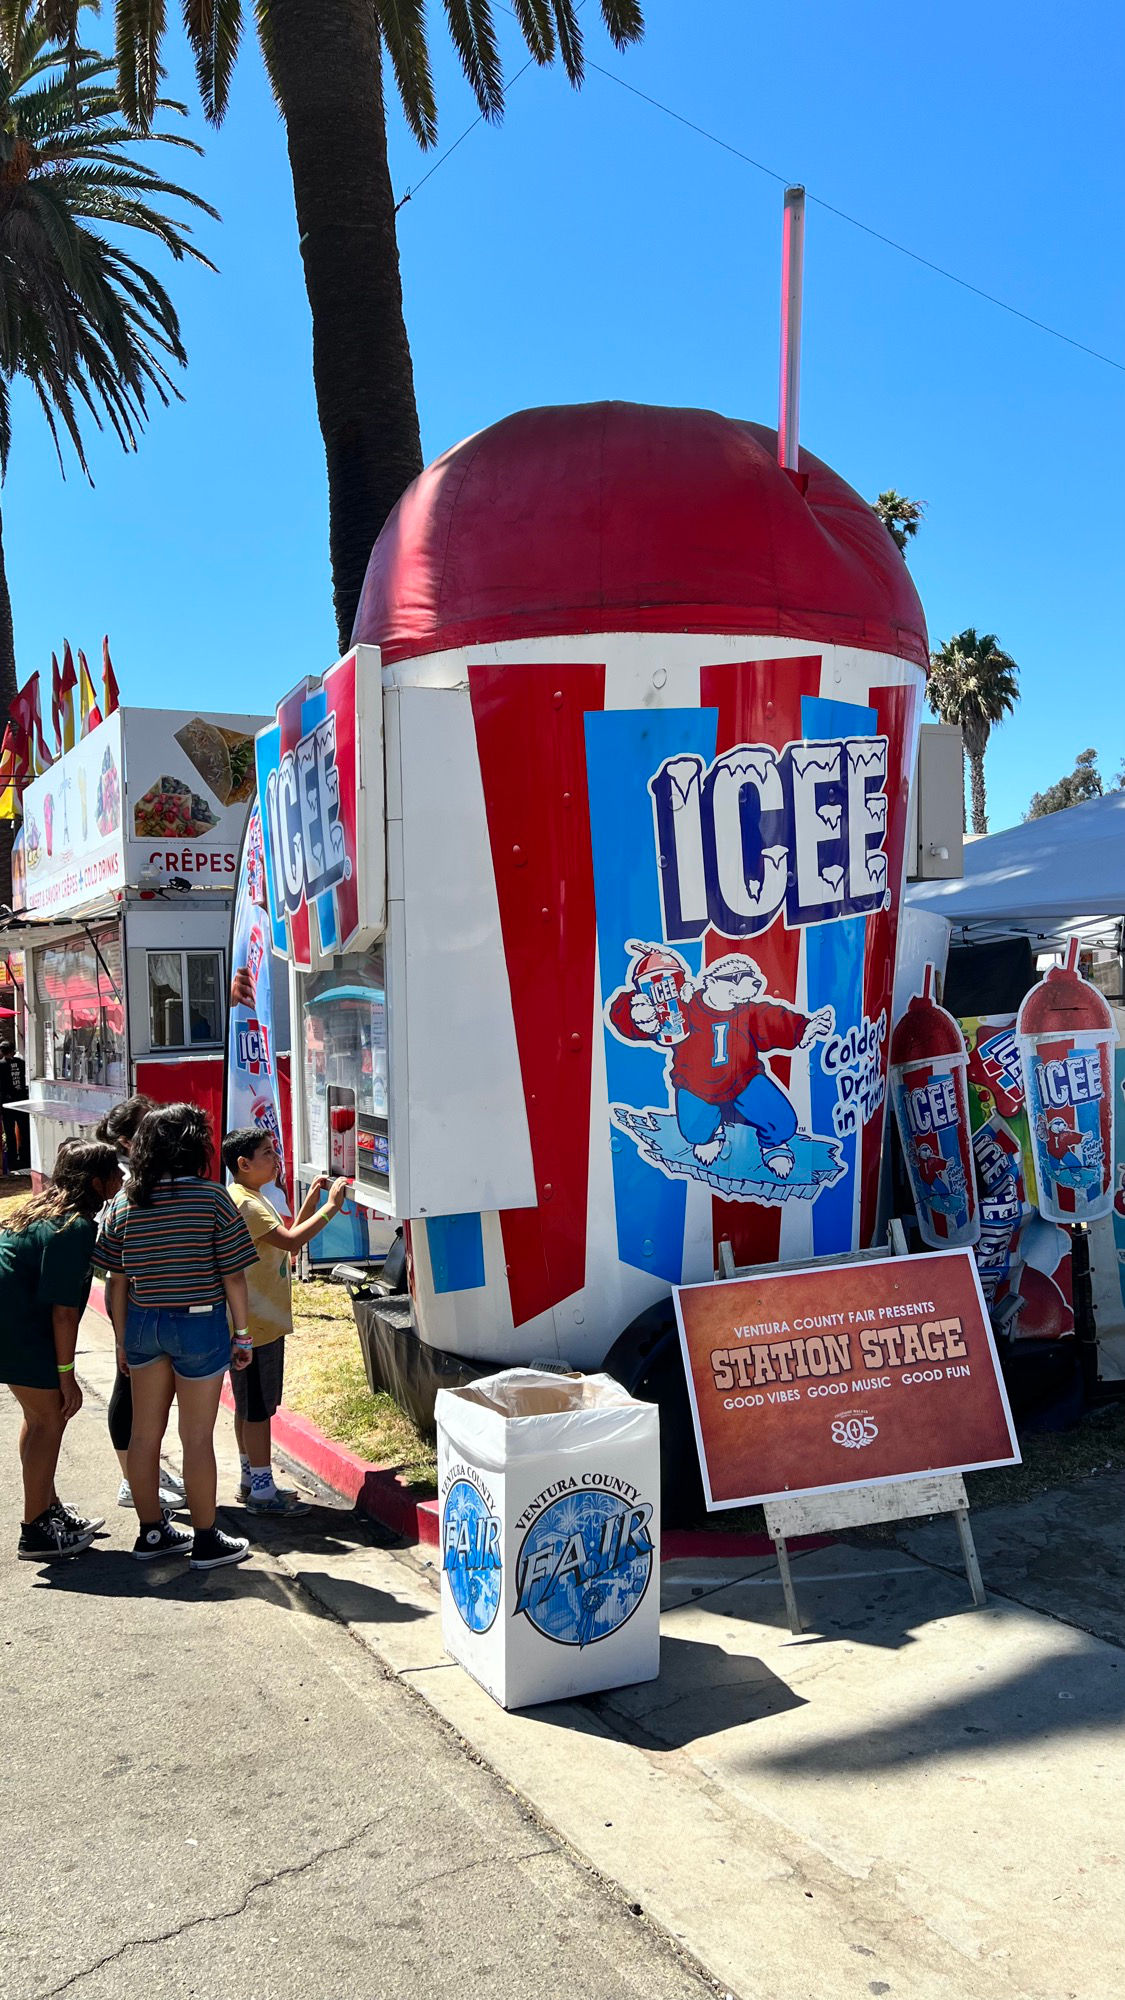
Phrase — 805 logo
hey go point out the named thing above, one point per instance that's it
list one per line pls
(854, 1432)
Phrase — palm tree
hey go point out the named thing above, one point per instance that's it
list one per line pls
(90, 329)
(325, 64)
(900, 516)
(974, 683)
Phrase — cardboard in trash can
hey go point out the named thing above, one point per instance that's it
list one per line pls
(549, 1488)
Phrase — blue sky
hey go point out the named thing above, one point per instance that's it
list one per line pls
(591, 247)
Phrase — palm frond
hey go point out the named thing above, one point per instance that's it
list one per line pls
(624, 21)
(474, 38)
(537, 26)
(140, 31)
(214, 30)
(88, 326)
(402, 26)
(570, 40)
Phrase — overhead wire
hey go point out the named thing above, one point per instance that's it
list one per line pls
(903, 249)
(783, 180)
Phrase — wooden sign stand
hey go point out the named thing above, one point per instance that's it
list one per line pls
(859, 1506)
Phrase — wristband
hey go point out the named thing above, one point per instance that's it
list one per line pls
(242, 1337)
(65, 1367)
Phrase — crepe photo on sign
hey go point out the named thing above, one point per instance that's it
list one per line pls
(170, 810)
(224, 759)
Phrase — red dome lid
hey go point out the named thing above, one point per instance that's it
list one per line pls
(1064, 1004)
(625, 517)
(926, 1031)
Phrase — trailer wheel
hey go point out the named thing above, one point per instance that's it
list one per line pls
(647, 1361)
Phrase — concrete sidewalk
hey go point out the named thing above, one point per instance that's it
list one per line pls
(913, 1798)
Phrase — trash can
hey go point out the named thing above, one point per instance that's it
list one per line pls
(549, 1487)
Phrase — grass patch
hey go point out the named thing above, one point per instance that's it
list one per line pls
(12, 1191)
(324, 1381)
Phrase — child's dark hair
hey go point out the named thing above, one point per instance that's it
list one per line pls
(243, 1144)
(119, 1126)
(172, 1141)
(74, 1189)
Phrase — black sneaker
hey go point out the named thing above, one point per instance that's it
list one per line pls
(166, 1540)
(71, 1518)
(213, 1549)
(48, 1538)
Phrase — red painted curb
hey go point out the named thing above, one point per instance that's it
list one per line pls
(377, 1491)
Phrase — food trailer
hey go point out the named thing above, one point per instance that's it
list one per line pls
(130, 843)
(587, 860)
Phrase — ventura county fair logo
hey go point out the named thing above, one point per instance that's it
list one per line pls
(302, 805)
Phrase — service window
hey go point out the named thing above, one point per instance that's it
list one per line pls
(344, 1024)
(185, 1003)
(79, 990)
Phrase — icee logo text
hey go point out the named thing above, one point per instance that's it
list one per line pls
(302, 806)
(759, 831)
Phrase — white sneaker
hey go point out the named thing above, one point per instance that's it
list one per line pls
(173, 1494)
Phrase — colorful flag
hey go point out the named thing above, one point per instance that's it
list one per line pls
(27, 716)
(68, 681)
(91, 713)
(13, 770)
(109, 681)
(56, 704)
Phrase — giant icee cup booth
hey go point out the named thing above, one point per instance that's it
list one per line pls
(589, 860)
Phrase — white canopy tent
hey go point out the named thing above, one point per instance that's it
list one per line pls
(1041, 876)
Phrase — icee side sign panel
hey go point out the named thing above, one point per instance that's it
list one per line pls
(846, 1375)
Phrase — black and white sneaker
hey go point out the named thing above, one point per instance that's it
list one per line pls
(166, 1540)
(213, 1549)
(71, 1518)
(48, 1538)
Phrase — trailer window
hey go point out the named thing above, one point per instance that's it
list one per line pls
(81, 1007)
(185, 999)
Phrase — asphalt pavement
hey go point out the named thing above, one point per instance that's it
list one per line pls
(211, 1791)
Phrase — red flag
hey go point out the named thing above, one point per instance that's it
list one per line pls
(68, 681)
(25, 713)
(56, 704)
(91, 713)
(109, 681)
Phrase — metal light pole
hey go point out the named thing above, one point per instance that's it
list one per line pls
(792, 280)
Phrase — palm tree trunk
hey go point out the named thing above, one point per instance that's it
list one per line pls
(976, 773)
(8, 688)
(325, 63)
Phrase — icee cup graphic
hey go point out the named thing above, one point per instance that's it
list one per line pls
(930, 1092)
(1066, 1034)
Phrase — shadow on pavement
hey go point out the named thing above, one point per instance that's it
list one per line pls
(1061, 1696)
(357, 1603)
(702, 1690)
(114, 1573)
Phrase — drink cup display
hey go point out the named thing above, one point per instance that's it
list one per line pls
(1066, 1036)
(49, 822)
(82, 798)
(657, 976)
(929, 1088)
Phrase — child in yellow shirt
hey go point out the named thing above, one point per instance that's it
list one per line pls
(250, 1157)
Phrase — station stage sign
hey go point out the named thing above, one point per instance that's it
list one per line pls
(850, 1374)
